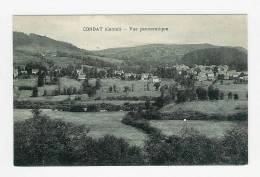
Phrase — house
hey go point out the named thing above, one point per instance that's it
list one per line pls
(202, 76)
(23, 72)
(119, 72)
(145, 76)
(210, 76)
(81, 76)
(154, 79)
(233, 74)
(35, 71)
(15, 73)
(129, 75)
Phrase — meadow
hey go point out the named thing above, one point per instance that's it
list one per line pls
(99, 124)
(217, 107)
(211, 129)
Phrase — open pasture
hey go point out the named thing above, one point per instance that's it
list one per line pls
(137, 88)
(211, 129)
(100, 124)
(220, 107)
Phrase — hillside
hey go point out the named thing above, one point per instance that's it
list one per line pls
(235, 58)
(163, 53)
(36, 48)
(33, 47)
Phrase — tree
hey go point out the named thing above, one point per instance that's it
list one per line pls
(221, 96)
(147, 104)
(98, 84)
(236, 96)
(85, 84)
(35, 92)
(202, 93)
(182, 96)
(235, 144)
(28, 68)
(230, 95)
(110, 89)
(211, 92)
(147, 86)
(114, 88)
(43, 141)
(41, 78)
(156, 85)
(126, 89)
(102, 74)
(163, 90)
(132, 87)
(173, 91)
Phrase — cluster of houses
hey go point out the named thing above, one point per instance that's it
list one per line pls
(22, 70)
(201, 73)
(120, 74)
(210, 73)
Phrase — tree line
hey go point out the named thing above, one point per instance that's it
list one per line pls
(41, 141)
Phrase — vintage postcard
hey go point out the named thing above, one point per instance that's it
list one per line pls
(130, 90)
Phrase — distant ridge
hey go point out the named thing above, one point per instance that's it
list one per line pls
(233, 57)
(28, 47)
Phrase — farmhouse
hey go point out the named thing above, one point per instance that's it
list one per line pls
(154, 79)
(202, 76)
(119, 72)
(210, 76)
(15, 73)
(35, 71)
(81, 76)
(145, 76)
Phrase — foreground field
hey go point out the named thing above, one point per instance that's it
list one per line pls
(211, 129)
(99, 124)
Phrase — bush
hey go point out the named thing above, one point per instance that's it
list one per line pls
(235, 146)
(202, 93)
(77, 108)
(41, 141)
(236, 96)
(26, 88)
(181, 96)
(195, 149)
(93, 108)
(213, 93)
(136, 119)
(35, 92)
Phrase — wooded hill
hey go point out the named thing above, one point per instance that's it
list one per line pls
(35, 48)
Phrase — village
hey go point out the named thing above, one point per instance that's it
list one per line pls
(129, 98)
(199, 74)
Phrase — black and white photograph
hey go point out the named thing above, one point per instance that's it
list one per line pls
(130, 90)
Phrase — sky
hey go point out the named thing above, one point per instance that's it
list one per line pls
(223, 30)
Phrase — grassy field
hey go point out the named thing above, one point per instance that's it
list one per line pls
(100, 124)
(139, 88)
(228, 86)
(211, 129)
(25, 82)
(220, 107)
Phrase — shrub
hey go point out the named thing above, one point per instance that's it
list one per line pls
(196, 149)
(236, 96)
(235, 146)
(26, 88)
(93, 108)
(35, 92)
(181, 96)
(41, 141)
(202, 93)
